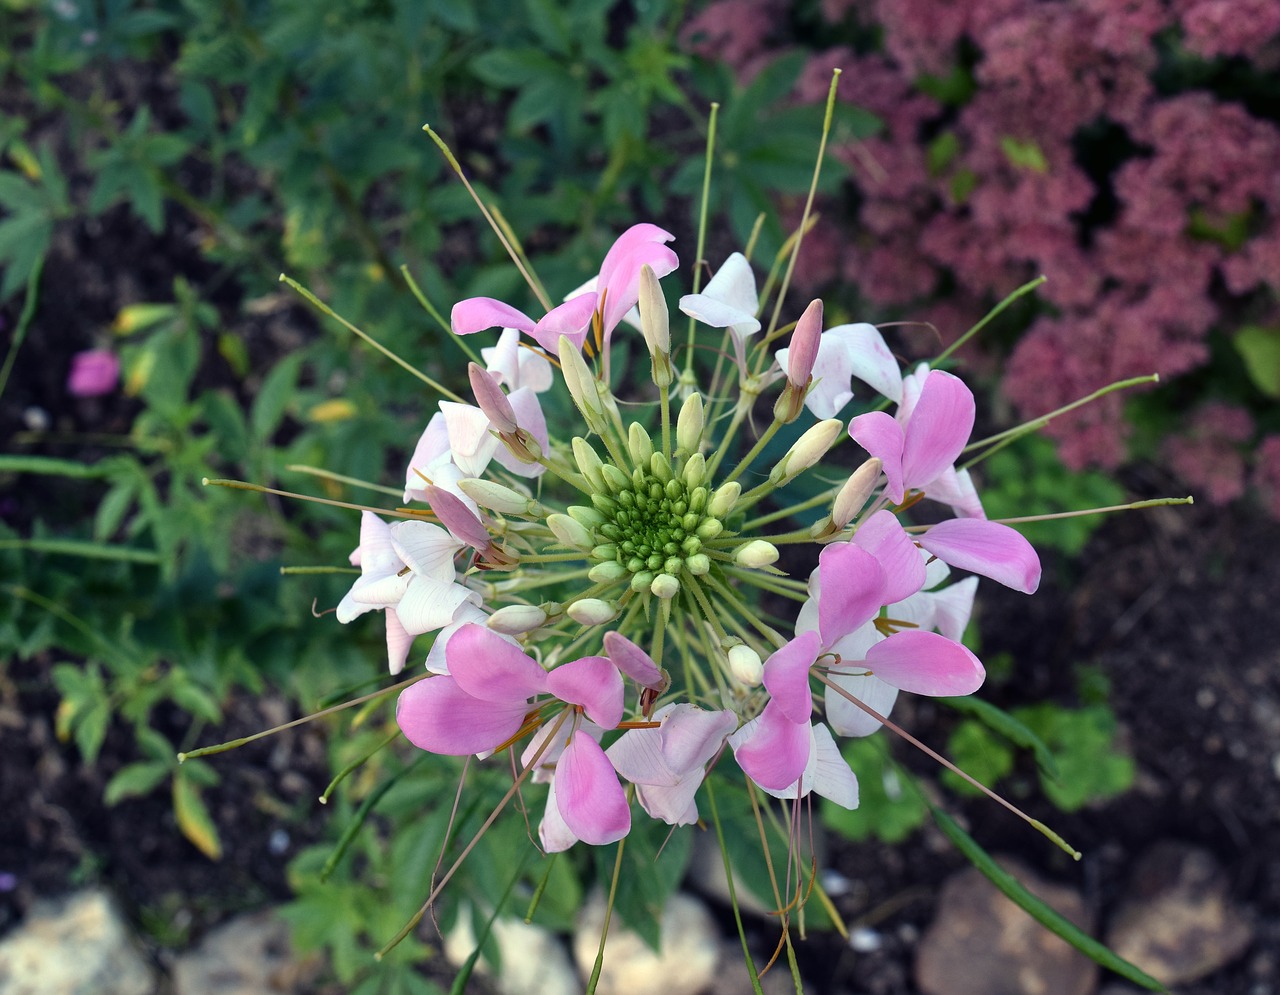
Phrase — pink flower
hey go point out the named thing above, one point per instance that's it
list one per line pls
(94, 372)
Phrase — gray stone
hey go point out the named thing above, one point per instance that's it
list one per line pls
(1176, 921)
(533, 960)
(77, 946)
(980, 943)
(685, 964)
(248, 955)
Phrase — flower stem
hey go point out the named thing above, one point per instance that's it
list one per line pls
(761, 442)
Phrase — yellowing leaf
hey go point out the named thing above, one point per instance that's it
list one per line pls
(194, 819)
(139, 373)
(135, 317)
(334, 409)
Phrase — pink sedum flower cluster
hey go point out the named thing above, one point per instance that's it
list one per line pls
(606, 600)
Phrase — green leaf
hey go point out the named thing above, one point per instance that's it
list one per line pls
(1024, 154)
(193, 817)
(648, 878)
(274, 396)
(1259, 347)
(1052, 920)
(134, 780)
(91, 728)
(980, 753)
(1009, 727)
(888, 809)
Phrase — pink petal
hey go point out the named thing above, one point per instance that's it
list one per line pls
(691, 736)
(883, 536)
(488, 667)
(852, 583)
(437, 715)
(632, 660)
(848, 719)
(925, 663)
(987, 548)
(786, 675)
(619, 279)
(592, 682)
(772, 750)
(803, 348)
(432, 445)
(881, 436)
(940, 425)
(673, 804)
(955, 488)
(570, 319)
(475, 314)
(528, 409)
(463, 523)
(94, 372)
(637, 757)
(589, 795)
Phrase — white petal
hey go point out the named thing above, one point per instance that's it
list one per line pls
(430, 604)
(427, 548)
(831, 775)
(848, 719)
(869, 358)
(470, 441)
(735, 285)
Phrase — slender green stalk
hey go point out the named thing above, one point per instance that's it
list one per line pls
(325, 309)
(315, 471)
(244, 485)
(24, 322)
(733, 897)
(702, 230)
(1134, 506)
(608, 915)
(439, 318)
(355, 765)
(740, 608)
(1025, 289)
(761, 442)
(826, 497)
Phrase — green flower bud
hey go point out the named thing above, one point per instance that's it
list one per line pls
(665, 586)
(689, 424)
(723, 500)
(592, 611)
(639, 444)
(570, 532)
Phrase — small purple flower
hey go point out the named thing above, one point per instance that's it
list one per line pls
(94, 372)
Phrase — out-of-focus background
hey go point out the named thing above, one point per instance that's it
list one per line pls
(162, 163)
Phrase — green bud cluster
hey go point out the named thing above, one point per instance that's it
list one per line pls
(650, 524)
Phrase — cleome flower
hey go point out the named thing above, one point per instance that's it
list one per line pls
(608, 599)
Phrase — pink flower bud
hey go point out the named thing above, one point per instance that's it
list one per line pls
(94, 372)
(491, 400)
(804, 346)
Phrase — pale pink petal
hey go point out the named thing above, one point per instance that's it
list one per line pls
(399, 640)
(592, 682)
(848, 719)
(673, 804)
(883, 536)
(570, 319)
(925, 663)
(832, 372)
(828, 772)
(619, 280)
(375, 555)
(475, 314)
(426, 548)
(717, 314)
(554, 834)
(786, 676)
(556, 735)
(439, 716)
(987, 548)
(429, 604)
(432, 447)
(637, 756)
(881, 436)
(869, 357)
(490, 668)
(939, 428)
(952, 607)
(955, 488)
(471, 443)
(852, 585)
(437, 660)
(589, 795)
(772, 750)
(632, 660)
(692, 736)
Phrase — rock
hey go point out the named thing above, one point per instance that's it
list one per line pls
(686, 963)
(980, 943)
(248, 955)
(732, 977)
(1176, 921)
(77, 946)
(534, 961)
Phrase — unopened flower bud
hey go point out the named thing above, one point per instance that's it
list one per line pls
(615, 480)
(755, 554)
(513, 620)
(581, 384)
(801, 355)
(642, 581)
(656, 326)
(723, 500)
(855, 492)
(592, 611)
(491, 400)
(689, 424)
(660, 467)
(498, 497)
(807, 451)
(695, 470)
(709, 529)
(589, 517)
(639, 444)
(665, 586)
(745, 665)
(610, 570)
(699, 564)
(589, 463)
(570, 532)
